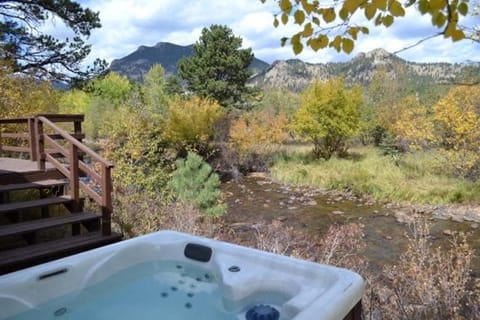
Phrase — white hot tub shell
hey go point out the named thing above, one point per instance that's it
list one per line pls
(313, 291)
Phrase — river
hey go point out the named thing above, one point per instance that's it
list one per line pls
(252, 199)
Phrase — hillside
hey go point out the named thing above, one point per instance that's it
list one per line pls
(295, 74)
(137, 63)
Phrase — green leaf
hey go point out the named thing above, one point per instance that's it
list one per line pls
(329, 15)
(347, 45)
(365, 30)
(285, 6)
(316, 21)
(307, 30)
(296, 44)
(353, 32)
(396, 9)
(307, 6)
(436, 5)
(336, 43)
(284, 18)
(343, 13)
(370, 11)
(352, 5)
(318, 43)
(299, 17)
(463, 8)
(388, 21)
(458, 35)
(423, 6)
(380, 4)
(275, 22)
(283, 41)
(439, 19)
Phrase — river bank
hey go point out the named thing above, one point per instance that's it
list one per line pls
(256, 198)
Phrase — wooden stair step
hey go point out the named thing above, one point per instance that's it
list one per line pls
(33, 185)
(15, 259)
(34, 203)
(38, 224)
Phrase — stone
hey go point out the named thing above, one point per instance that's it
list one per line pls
(292, 208)
(282, 218)
(403, 216)
(472, 215)
(474, 225)
(448, 232)
(441, 213)
(241, 225)
(337, 212)
(311, 203)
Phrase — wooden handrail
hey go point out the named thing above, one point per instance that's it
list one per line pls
(76, 165)
(73, 151)
(29, 136)
(69, 138)
(14, 120)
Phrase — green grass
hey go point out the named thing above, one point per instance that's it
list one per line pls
(418, 178)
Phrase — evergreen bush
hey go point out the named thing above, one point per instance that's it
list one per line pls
(194, 182)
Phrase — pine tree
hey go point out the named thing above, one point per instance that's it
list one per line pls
(193, 182)
(218, 68)
(30, 51)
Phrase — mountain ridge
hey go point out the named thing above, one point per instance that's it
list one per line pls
(295, 74)
(137, 63)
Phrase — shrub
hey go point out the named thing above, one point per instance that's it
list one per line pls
(194, 183)
(430, 283)
(328, 116)
(258, 134)
(190, 124)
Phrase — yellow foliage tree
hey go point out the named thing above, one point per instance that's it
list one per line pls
(328, 116)
(24, 96)
(259, 133)
(413, 123)
(190, 124)
(457, 122)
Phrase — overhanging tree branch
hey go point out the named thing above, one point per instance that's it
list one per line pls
(43, 55)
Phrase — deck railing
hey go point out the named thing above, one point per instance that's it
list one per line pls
(45, 141)
(19, 141)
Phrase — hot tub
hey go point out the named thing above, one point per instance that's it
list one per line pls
(174, 276)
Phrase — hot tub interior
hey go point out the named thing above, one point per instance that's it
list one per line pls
(174, 276)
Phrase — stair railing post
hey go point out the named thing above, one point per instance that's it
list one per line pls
(106, 200)
(40, 144)
(74, 177)
(32, 142)
(1, 149)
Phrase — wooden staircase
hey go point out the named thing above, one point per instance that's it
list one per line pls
(44, 190)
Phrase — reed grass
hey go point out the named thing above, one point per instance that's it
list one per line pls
(417, 177)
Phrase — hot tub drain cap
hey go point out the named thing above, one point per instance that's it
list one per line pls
(262, 312)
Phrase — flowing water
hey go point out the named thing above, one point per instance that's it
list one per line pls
(254, 199)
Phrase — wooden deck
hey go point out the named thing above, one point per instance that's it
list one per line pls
(16, 166)
(41, 198)
(14, 171)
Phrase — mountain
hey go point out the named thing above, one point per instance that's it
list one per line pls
(295, 75)
(137, 63)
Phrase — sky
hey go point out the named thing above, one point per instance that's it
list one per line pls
(128, 24)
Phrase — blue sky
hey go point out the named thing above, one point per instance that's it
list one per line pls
(127, 24)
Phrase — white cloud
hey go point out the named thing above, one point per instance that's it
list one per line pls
(127, 24)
